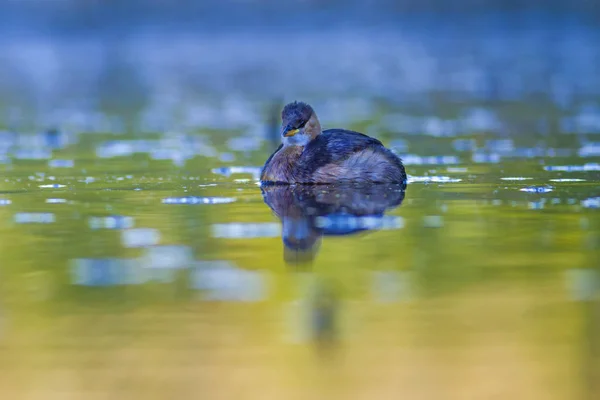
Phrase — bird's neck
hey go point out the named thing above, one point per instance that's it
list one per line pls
(313, 126)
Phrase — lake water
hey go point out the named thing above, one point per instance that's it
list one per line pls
(143, 272)
(139, 257)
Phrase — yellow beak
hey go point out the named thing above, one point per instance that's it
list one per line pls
(291, 132)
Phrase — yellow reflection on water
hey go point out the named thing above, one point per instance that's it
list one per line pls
(476, 303)
(494, 340)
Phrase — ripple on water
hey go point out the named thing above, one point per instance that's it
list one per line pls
(228, 171)
(568, 180)
(52, 186)
(339, 223)
(111, 222)
(199, 200)
(140, 237)
(5, 202)
(412, 159)
(485, 158)
(109, 272)
(32, 154)
(591, 149)
(457, 169)
(592, 202)
(433, 179)
(34, 218)
(88, 179)
(245, 230)
(516, 178)
(223, 281)
(536, 205)
(573, 168)
(56, 163)
(537, 189)
(167, 256)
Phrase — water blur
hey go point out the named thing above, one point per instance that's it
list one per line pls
(140, 257)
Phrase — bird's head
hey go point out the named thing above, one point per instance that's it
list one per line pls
(299, 124)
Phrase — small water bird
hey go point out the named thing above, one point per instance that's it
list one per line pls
(309, 155)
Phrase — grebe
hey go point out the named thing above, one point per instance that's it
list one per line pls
(309, 155)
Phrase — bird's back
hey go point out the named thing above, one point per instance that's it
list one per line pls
(339, 155)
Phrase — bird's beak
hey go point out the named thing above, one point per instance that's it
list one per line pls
(287, 131)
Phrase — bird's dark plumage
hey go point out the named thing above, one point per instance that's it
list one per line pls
(309, 155)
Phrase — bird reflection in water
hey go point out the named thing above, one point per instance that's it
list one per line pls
(309, 212)
(324, 316)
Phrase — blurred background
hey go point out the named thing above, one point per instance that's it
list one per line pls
(140, 259)
(219, 64)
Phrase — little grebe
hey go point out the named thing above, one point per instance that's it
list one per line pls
(309, 155)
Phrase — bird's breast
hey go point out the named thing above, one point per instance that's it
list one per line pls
(282, 165)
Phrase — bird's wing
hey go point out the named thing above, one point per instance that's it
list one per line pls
(335, 145)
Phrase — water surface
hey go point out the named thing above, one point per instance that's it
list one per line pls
(136, 277)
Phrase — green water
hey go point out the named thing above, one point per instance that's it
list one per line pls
(474, 289)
